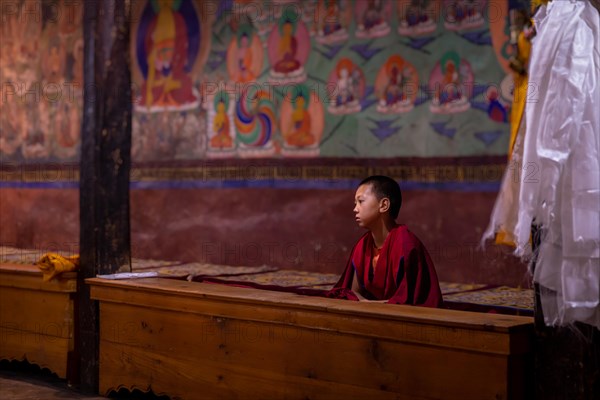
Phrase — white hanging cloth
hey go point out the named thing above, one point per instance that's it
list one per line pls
(559, 185)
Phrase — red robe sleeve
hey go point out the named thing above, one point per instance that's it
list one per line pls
(404, 274)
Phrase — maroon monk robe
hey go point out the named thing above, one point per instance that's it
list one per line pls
(404, 272)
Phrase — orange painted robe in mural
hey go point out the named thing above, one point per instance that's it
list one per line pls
(301, 135)
(223, 138)
(245, 66)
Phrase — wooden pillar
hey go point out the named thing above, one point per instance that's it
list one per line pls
(567, 359)
(105, 165)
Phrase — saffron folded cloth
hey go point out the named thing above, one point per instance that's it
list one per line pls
(52, 265)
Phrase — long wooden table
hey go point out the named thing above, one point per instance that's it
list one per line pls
(207, 341)
(37, 318)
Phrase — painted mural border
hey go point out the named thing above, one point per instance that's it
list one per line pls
(452, 173)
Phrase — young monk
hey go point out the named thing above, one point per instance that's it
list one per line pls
(389, 262)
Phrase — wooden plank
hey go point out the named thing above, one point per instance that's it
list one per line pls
(371, 363)
(229, 294)
(331, 323)
(37, 318)
(30, 277)
(135, 368)
(398, 322)
(47, 351)
(175, 337)
(50, 313)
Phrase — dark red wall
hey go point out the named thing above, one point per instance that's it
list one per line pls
(302, 229)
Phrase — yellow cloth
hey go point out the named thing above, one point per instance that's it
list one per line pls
(516, 113)
(52, 264)
(519, 92)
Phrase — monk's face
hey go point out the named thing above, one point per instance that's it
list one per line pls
(366, 206)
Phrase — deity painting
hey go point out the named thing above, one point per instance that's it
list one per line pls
(497, 109)
(347, 87)
(54, 60)
(372, 18)
(12, 132)
(333, 19)
(417, 17)
(302, 122)
(245, 55)
(288, 49)
(167, 44)
(220, 129)
(396, 86)
(451, 83)
(255, 123)
(36, 143)
(266, 15)
(310, 8)
(21, 50)
(76, 74)
(499, 100)
(463, 14)
(67, 127)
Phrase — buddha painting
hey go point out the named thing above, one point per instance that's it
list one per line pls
(463, 14)
(396, 86)
(372, 18)
(348, 87)
(333, 18)
(245, 55)
(451, 83)
(302, 123)
(417, 17)
(288, 50)
(220, 133)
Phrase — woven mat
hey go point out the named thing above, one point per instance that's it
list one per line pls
(449, 287)
(141, 264)
(478, 294)
(212, 270)
(287, 278)
(502, 296)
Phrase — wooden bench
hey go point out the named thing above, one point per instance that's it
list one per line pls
(37, 318)
(198, 341)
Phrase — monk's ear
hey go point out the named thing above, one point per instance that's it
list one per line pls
(384, 205)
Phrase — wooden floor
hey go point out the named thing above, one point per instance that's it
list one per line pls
(24, 381)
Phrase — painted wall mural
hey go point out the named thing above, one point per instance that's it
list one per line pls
(41, 77)
(278, 79)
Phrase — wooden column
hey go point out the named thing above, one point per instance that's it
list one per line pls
(105, 165)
